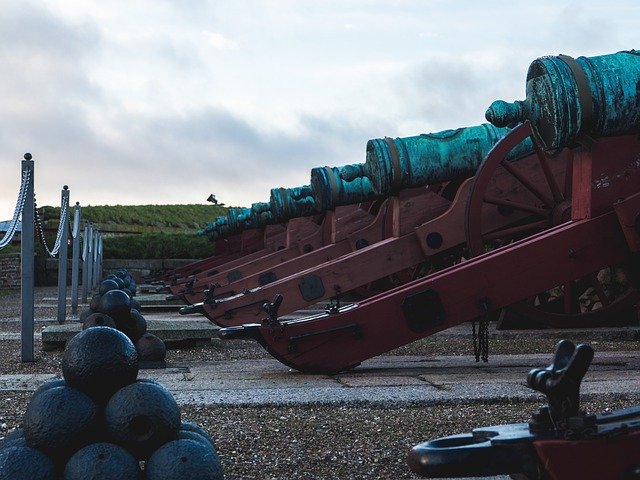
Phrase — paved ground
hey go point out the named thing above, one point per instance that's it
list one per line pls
(383, 382)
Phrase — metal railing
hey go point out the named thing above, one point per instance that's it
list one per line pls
(31, 224)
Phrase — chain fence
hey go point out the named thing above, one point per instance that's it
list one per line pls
(17, 213)
(26, 215)
(64, 223)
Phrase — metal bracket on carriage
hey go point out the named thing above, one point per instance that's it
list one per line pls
(209, 294)
(335, 307)
(272, 311)
(560, 382)
(559, 442)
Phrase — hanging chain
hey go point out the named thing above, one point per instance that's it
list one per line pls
(22, 196)
(481, 340)
(76, 223)
(64, 211)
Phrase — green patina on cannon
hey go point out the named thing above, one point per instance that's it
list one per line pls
(239, 218)
(261, 214)
(287, 203)
(571, 98)
(335, 186)
(394, 164)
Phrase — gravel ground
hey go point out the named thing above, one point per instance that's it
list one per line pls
(307, 442)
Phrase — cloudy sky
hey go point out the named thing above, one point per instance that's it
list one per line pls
(167, 101)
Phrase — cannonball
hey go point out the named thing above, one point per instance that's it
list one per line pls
(99, 361)
(60, 420)
(191, 435)
(127, 291)
(194, 427)
(25, 463)
(14, 438)
(102, 461)
(56, 382)
(151, 348)
(121, 273)
(120, 282)
(182, 459)
(98, 320)
(85, 313)
(135, 327)
(141, 417)
(116, 304)
(107, 285)
(94, 303)
(135, 304)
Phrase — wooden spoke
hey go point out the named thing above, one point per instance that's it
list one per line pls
(518, 186)
(509, 167)
(515, 205)
(553, 186)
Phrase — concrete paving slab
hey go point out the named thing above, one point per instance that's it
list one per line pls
(382, 381)
(170, 330)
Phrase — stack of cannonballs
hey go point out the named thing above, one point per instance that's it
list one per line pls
(102, 423)
(115, 306)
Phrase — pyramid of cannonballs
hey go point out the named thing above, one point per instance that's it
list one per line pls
(100, 422)
(115, 306)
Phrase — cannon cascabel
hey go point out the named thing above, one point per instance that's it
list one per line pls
(568, 98)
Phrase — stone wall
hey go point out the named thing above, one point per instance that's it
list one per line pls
(140, 269)
(10, 271)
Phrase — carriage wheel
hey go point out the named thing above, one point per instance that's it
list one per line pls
(513, 200)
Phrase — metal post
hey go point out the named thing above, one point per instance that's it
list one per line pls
(75, 259)
(27, 251)
(62, 256)
(100, 257)
(94, 283)
(89, 259)
(85, 262)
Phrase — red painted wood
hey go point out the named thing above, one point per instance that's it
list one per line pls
(628, 213)
(608, 458)
(500, 277)
(351, 221)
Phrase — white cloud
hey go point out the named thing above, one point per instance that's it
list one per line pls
(219, 41)
(159, 101)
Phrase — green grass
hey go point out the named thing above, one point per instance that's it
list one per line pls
(189, 217)
(157, 245)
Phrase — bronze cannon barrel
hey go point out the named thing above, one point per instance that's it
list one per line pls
(395, 164)
(287, 203)
(567, 98)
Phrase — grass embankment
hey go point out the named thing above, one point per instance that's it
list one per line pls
(146, 231)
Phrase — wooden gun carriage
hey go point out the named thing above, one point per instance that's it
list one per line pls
(536, 236)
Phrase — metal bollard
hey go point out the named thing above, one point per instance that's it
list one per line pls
(62, 255)
(75, 262)
(27, 250)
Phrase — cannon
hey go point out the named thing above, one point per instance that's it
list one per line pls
(415, 231)
(308, 243)
(391, 165)
(570, 100)
(560, 440)
(331, 191)
(575, 225)
(577, 220)
(395, 164)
